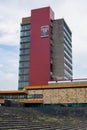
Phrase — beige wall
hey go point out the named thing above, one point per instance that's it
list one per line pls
(25, 20)
(64, 95)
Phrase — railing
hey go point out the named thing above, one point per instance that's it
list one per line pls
(71, 81)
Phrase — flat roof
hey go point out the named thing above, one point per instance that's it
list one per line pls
(58, 86)
(13, 91)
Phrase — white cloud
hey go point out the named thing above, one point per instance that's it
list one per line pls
(1, 65)
(8, 68)
(8, 81)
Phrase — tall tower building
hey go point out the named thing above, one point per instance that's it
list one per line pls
(45, 49)
(61, 51)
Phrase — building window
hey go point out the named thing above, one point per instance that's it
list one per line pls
(24, 58)
(25, 27)
(25, 39)
(22, 84)
(34, 96)
(25, 33)
(25, 46)
(23, 78)
(24, 51)
(24, 64)
(23, 71)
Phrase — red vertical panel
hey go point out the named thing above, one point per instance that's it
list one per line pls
(39, 48)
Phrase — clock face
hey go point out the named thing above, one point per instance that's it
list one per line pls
(44, 31)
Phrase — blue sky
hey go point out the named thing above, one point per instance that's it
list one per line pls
(11, 11)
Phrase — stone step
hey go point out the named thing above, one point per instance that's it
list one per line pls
(13, 127)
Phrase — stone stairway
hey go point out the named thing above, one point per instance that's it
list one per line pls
(37, 119)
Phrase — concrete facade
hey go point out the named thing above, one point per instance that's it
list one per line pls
(58, 51)
(61, 51)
